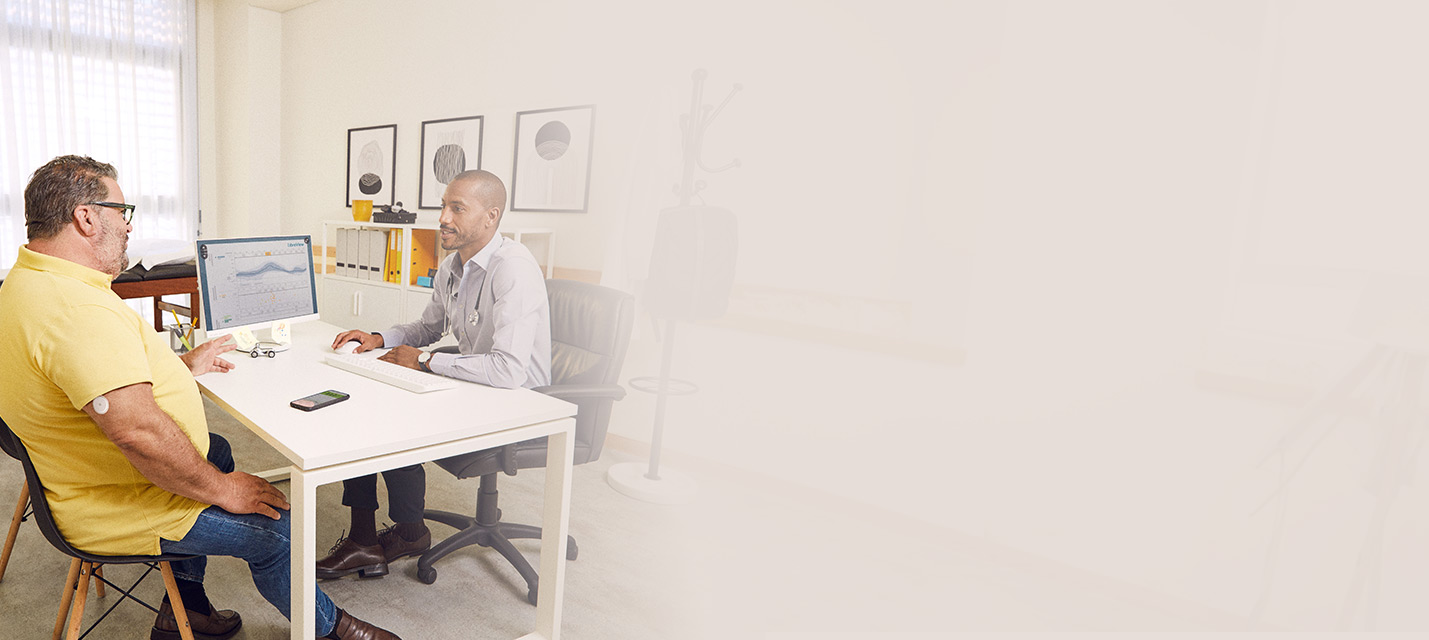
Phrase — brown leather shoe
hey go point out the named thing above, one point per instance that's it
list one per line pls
(395, 547)
(348, 557)
(350, 628)
(217, 625)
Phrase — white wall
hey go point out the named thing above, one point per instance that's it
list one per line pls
(355, 64)
(1329, 214)
(1065, 191)
(990, 165)
(810, 76)
(240, 131)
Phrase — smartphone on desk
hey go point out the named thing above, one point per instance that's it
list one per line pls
(319, 400)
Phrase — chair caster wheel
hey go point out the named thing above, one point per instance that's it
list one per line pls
(531, 596)
(427, 576)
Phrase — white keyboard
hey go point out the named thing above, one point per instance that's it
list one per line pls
(393, 374)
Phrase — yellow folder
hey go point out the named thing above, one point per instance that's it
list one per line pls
(392, 271)
(424, 253)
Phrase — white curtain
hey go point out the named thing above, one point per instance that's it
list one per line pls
(110, 79)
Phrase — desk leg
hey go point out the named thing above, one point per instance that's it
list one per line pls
(555, 522)
(303, 570)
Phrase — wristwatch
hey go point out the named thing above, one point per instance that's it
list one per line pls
(422, 359)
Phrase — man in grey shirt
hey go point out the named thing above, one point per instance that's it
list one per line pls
(492, 296)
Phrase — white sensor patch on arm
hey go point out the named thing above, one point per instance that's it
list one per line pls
(101, 405)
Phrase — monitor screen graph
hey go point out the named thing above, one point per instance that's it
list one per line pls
(253, 282)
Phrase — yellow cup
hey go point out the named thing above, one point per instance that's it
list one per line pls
(362, 210)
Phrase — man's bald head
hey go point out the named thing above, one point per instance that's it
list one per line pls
(486, 187)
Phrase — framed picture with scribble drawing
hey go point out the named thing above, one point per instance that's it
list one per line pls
(371, 160)
(449, 147)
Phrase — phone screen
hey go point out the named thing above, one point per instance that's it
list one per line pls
(319, 400)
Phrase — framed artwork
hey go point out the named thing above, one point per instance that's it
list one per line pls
(449, 147)
(371, 162)
(551, 171)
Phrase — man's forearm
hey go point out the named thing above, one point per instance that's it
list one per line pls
(495, 369)
(161, 452)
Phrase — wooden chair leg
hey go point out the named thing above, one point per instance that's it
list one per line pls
(66, 597)
(176, 601)
(99, 584)
(20, 505)
(81, 594)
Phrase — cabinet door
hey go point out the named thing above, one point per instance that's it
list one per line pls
(414, 302)
(354, 305)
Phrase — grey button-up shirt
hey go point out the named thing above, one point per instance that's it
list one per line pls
(496, 305)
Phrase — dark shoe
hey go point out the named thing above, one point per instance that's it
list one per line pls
(394, 546)
(347, 557)
(350, 628)
(217, 625)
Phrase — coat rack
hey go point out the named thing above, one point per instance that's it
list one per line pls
(702, 241)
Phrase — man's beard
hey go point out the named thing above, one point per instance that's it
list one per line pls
(114, 245)
(455, 239)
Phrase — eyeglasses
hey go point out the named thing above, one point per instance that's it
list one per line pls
(126, 210)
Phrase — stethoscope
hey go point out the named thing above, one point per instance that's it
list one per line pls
(473, 317)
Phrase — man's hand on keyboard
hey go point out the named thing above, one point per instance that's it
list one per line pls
(403, 355)
(367, 341)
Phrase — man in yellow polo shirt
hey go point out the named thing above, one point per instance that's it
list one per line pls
(113, 419)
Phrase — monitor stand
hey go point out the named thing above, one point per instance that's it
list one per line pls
(276, 338)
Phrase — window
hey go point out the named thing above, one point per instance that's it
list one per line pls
(110, 79)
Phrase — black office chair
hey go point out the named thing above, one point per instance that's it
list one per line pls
(590, 331)
(83, 564)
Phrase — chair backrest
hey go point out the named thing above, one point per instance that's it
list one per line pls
(590, 333)
(16, 449)
(13, 446)
(10, 443)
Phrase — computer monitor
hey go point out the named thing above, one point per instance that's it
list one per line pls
(251, 283)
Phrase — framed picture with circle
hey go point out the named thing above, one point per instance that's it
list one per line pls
(449, 147)
(551, 170)
(371, 162)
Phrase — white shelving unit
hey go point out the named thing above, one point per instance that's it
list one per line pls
(373, 305)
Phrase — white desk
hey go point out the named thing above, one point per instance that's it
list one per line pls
(382, 427)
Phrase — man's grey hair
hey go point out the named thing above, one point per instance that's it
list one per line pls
(58, 187)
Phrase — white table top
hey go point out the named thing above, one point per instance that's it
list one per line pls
(377, 419)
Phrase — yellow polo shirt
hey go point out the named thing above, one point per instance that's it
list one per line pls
(66, 338)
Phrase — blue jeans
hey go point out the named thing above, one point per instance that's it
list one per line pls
(260, 541)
